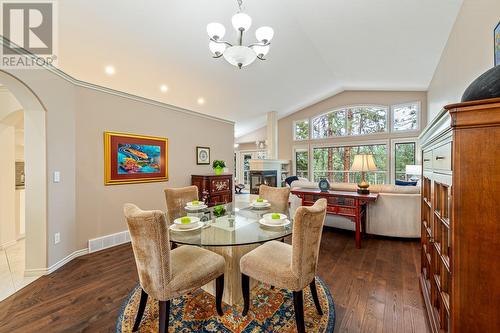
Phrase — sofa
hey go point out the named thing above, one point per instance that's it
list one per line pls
(396, 212)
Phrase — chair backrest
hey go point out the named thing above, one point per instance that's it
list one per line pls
(277, 196)
(150, 243)
(306, 240)
(177, 198)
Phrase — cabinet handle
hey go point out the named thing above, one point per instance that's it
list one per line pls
(427, 159)
(440, 158)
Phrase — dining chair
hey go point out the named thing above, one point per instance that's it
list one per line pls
(177, 198)
(287, 266)
(164, 273)
(277, 196)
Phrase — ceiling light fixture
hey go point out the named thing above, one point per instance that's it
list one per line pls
(201, 101)
(163, 88)
(110, 70)
(239, 55)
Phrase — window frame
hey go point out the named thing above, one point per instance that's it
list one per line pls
(419, 117)
(386, 142)
(393, 153)
(343, 108)
(294, 161)
(308, 131)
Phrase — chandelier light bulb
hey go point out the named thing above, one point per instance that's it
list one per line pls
(264, 34)
(216, 30)
(216, 48)
(241, 21)
(260, 50)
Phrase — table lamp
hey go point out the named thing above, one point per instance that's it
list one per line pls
(363, 163)
(413, 171)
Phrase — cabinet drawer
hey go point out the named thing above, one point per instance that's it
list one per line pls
(441, 157)
(427, 160)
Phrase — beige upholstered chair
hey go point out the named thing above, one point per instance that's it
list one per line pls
(289, 266)
(163, 273)
(277, 196)
(177, 198)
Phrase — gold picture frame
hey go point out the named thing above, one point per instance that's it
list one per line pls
(129, 157)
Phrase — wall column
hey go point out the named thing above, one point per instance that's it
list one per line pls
(272, 135)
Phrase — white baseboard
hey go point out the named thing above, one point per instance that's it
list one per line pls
(57, 265)
(95, 244)
(7, 244)
(104, 242)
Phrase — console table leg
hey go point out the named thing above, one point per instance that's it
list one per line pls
(358, 232)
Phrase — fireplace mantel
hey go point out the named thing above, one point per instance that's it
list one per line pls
(265, 165)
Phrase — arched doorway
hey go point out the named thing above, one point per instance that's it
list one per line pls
(35, 174)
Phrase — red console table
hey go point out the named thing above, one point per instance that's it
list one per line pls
(350, 205)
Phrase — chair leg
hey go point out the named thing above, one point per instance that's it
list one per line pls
(314, 293)
(219, 289)
(164, 316)
(140, 311)
(245, 288)
(298, 306)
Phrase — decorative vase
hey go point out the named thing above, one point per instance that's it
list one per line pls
(218, 171)
(484, 87)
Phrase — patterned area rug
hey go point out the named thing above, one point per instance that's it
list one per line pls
(270, 311)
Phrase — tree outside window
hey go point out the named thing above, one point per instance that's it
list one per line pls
(301, 130)
(353, 120)
(405, 117)
(334, 163)
(404, 154)
(302, 163)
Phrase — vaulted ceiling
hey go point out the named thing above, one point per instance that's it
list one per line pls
(320, 47)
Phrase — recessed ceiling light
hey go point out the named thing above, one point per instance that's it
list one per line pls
(110, 70)
(201, 100)
(163, 88)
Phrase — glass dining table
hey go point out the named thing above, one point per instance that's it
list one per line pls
(231, 232)
(226, 225)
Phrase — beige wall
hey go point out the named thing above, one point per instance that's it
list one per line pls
(98, 207)
(468, 53)
(80, 206)
(285, 125)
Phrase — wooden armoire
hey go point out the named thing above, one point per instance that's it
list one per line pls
(460, 265)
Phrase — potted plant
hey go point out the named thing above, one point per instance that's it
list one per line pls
(218, 166)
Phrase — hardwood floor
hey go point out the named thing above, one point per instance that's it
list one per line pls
(375, 289)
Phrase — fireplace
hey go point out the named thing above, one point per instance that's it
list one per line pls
(266, 177)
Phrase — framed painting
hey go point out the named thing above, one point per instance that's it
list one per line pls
(497, 44)
(202, 155)
(130, 158)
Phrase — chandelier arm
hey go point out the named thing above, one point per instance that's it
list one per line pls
(259, 44)
(261, 58)
(221, 42)
(217, 56)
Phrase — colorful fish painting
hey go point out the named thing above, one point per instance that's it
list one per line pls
(138, 158)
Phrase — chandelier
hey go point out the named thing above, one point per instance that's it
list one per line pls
(239, 55)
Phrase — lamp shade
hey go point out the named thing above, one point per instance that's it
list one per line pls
(217, 48)
(414, 170)
(261, 50)
(241, 21)
(363, 162)
(216, 30)
(264, 34)
(239, 56)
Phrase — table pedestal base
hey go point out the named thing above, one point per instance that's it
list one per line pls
(232, 274)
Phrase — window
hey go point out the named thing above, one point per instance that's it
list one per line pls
(334, 163)
(405, 117)
(352, 120)
(301, 130)
(404, 154)
(302, 163)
